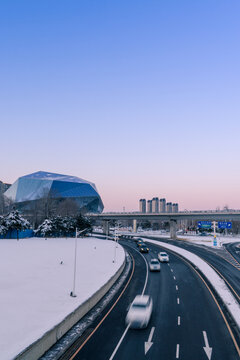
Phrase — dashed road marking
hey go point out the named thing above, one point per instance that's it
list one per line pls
(177, 351)
(174, 278)
(178, 300)
(179, 320)
(176, 287)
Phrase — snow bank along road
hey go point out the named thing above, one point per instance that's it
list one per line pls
(36, 280)
(187, 322)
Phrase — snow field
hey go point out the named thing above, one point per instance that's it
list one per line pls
(35, 286)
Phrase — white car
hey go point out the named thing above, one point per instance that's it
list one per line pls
(163, 257)
(140, 312)
(154, 265)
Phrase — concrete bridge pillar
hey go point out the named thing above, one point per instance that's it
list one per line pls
(106, 227)
(173, 229)
(134, 225)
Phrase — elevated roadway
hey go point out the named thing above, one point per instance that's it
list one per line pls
(172, 218)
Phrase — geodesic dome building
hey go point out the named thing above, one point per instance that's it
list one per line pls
(29, 189)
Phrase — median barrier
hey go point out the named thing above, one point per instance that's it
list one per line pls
(40, 346)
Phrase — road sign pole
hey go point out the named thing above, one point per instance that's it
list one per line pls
(214, 234)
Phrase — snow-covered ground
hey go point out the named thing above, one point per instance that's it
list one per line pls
(35, 286)
(208, 240)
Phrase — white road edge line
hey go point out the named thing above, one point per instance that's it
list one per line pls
(119, 343)
(179, 320)
(126, 330)
(146, 280)
(177, 351)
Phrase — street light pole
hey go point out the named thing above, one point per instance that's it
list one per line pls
(72, 293)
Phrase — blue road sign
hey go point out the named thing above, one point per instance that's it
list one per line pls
(224, 225)
(205, 224)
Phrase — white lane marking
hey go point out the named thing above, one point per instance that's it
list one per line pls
(178, 300)
(171, 270)
(126, 330)
(174, 278)
(149, 343)
(146, 280)
(176, 287)
(168, 265)
(177, 352)
(178, 320)
(119, 343)
(207, 348)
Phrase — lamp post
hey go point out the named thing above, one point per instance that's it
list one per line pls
(72, 293)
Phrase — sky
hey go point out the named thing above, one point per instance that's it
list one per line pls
(140, 97)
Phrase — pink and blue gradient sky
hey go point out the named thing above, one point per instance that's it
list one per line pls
(140, 97)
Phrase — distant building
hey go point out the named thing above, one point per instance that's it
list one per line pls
(162, 205)
(149, 206)
(155, 205)
(142, 205)
(3, 187)
(175, 208)
(169, 207)
(44, 189)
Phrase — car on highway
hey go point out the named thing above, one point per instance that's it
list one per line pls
(140, 243)
(163, 257)
(154, 265)
(140, 312)
(143, 248)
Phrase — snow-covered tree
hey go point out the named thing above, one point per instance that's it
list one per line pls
(14, 221)
(3, 228)
(46, 228)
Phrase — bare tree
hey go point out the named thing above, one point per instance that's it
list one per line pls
(67, 207)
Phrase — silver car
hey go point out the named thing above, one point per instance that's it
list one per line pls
(154, 265)
(163, 257)
(140, 312)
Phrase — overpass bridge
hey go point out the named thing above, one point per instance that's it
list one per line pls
(172, 218)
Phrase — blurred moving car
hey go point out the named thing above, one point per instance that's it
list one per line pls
(163, 256)
(140, 312)
(154, 265)
(143, 248)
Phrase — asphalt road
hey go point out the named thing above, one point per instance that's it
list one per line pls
(234, 250)
(220, 259)
(185, 318)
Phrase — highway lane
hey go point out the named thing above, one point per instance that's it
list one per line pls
(185, 318)
(234, 250)
(228, 269)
